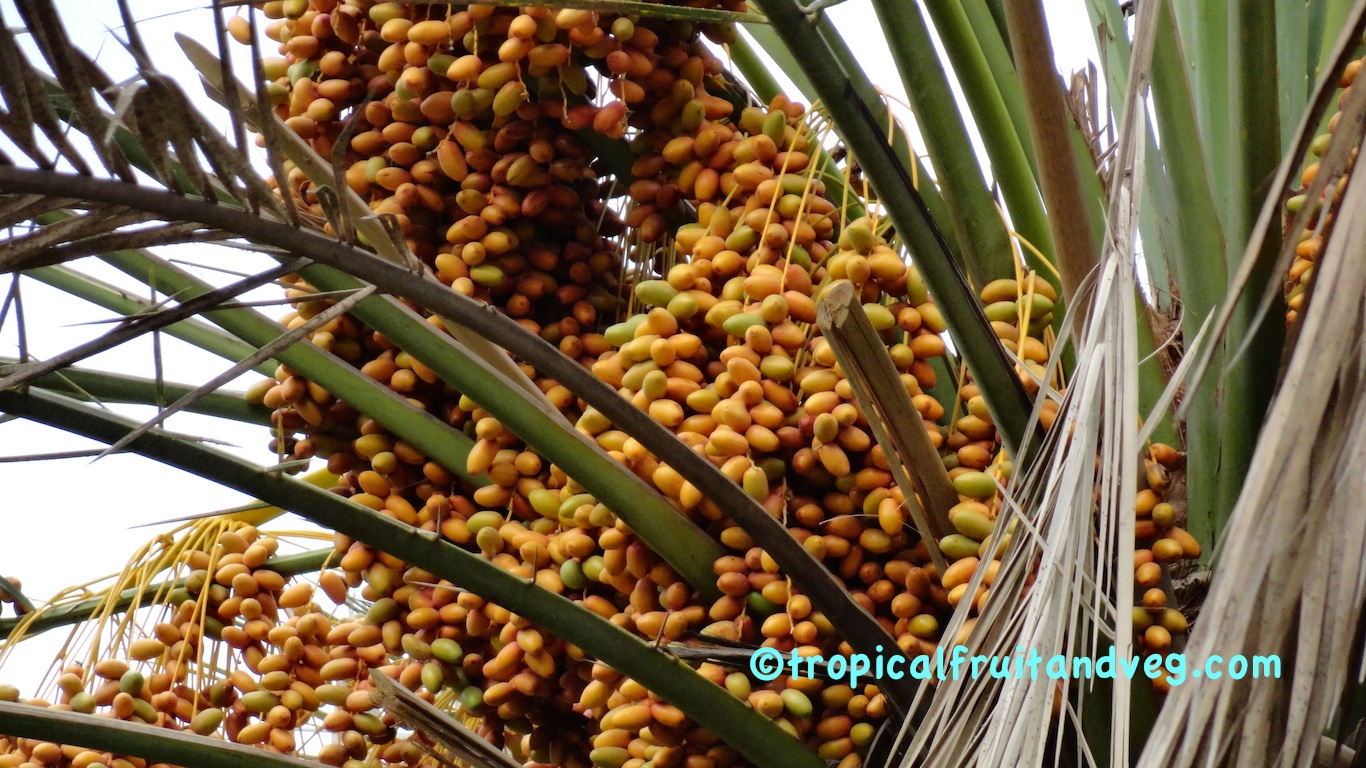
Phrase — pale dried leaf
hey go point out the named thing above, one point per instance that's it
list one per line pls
(1074, 521)
(1290, 579)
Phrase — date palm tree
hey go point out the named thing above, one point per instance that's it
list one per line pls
(610, 369)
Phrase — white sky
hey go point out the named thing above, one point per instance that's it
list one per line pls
(71, 521)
